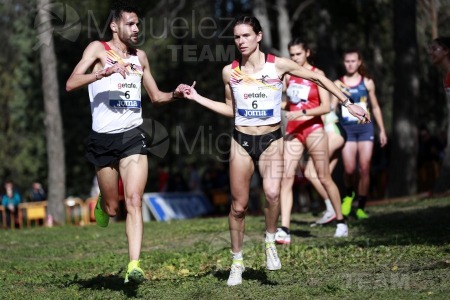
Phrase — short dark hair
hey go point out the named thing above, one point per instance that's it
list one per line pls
(249, 20)
(297, 41)
(121, 6)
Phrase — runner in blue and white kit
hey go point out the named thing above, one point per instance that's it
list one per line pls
(360, 137)
(253, 89)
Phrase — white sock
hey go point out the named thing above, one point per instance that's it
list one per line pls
(270, 237)
(328, 205)
(237, 256)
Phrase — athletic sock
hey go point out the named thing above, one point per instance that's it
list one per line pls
(237, 256)
(270, 237)
(348, 192)
(342, 221)
(328, 205)
(362, 202)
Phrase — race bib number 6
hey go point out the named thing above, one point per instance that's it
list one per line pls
(124, 94)
(256, 106)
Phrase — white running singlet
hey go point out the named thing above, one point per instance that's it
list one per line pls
(115, 101)
(258, 96)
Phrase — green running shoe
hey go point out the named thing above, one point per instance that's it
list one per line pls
(361, 214)
(134, 272)
(347, 204)
(101, 218)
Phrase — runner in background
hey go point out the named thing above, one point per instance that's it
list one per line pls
(358, 150)
(307, 102)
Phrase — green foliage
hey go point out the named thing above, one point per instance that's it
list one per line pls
(401, 252)
(23, 154)
(182, 48)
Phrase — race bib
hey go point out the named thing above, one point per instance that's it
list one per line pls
(124, 94)
(256, 105)
(347, 116)
(298, 92)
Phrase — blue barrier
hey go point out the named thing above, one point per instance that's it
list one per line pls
(169, 206)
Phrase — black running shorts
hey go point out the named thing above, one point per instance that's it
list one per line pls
(104, 149)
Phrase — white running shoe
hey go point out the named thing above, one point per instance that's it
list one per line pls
(327, 217)
(341, 230)
(281, 237)
(272, 260)
(236, 274)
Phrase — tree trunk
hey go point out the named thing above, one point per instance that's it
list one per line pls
(326, 52)
(53, 120)
(406, 94)
(284, 29)
(260, 12)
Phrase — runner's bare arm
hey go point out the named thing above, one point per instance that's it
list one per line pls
(287, 66)
(93, 58)
(90, 59)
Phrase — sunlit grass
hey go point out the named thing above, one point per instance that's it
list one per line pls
(401, 252)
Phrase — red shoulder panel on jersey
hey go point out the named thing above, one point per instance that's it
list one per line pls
(105, 44)
(235, 64)
(270, 58)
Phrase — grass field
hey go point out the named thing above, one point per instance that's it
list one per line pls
(401, 252)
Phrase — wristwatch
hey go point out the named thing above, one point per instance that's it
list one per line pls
(347, 102)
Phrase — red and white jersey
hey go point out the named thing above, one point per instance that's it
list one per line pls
(115, 101)
(257, 96)
(302, 93)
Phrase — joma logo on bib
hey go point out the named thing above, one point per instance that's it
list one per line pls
(255, 113)
(125, 103)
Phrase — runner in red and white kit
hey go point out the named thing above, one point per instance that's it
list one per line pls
(439, 52)
(307, 102)
(253, 92)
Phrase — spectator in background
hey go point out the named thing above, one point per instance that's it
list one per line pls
(36, 192)
(11, 200)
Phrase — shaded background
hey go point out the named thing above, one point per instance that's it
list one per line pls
(192, 40)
